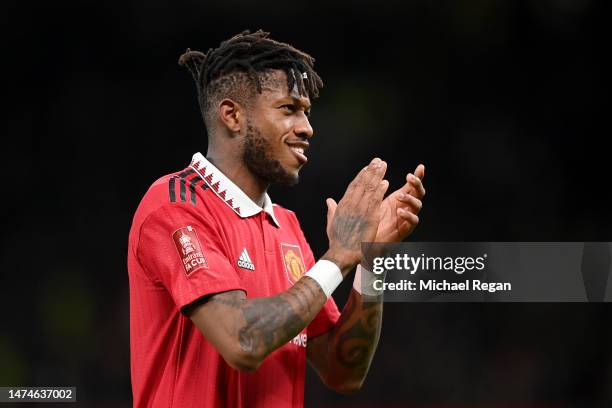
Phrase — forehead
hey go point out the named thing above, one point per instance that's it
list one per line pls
(274, 87)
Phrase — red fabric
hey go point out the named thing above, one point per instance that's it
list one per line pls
(172, 364)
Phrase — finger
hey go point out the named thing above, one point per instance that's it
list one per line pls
(416, 184)
(373, 202)
(331, 210)
(414, 203)
(370, 171)
(383, 185)
(420, 171)
(366, 173)
(358, 180)
(376, 174)
(408, 216)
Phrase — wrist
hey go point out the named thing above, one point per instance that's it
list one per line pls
(327, 275)
(367, 283)
(341, 259)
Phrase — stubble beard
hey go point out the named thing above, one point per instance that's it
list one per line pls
(256, 155)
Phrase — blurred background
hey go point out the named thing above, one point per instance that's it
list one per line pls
(502, 100)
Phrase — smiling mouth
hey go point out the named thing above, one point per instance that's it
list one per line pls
(298, 152)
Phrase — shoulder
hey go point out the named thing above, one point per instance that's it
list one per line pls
(179, 192)
(178, 187)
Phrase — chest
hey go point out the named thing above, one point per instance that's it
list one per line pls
(268, 259)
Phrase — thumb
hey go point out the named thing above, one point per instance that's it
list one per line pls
(331, 210)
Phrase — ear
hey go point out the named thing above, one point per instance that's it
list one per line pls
(231, 114)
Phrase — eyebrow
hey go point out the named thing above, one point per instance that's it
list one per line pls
(299, 101)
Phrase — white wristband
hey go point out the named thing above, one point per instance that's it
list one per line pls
(327, 275)
(364, 281)
(357, 279)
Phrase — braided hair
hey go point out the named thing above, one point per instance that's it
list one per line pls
(245, 60)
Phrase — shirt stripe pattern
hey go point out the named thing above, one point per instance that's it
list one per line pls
(185, 183)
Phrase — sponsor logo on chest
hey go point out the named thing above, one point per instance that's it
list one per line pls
(244, 261)
(300, 340)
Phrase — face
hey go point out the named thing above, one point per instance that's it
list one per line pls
(277, 132)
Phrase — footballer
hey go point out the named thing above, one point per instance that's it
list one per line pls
(227, 301)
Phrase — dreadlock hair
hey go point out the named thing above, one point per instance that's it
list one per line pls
(245, 60)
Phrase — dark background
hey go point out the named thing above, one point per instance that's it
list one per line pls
(502, 100)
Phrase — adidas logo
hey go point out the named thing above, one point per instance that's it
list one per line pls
(245, 261)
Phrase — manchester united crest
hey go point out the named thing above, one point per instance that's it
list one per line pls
(294, 262)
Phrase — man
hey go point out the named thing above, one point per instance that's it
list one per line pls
(227, 302)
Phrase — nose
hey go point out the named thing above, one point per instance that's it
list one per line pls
(303, 128)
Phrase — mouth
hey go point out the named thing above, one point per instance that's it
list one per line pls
(298, 149)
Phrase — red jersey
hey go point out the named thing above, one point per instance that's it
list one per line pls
(196, 233)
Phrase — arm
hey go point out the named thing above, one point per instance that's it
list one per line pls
(245, 331)
(342, 356)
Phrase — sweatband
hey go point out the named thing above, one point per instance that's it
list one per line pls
(363, 282)
(357, 279)
(327, 275)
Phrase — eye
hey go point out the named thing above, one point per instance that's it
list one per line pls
(288, 108)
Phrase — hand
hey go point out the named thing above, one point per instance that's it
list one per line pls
(355, 218)
(400, 209)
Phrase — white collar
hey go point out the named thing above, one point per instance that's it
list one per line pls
(229, 192)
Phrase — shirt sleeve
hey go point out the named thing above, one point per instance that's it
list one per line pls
(327, 318)
(179, 248)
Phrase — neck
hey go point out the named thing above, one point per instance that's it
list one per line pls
(234, 168)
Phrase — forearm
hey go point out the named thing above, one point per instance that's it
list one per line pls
(350, 346)
(256, 327)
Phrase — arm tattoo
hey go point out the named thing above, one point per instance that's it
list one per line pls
(358, 332)
(232, 298)
(271, 322)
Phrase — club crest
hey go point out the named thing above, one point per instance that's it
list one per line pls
(294, 262)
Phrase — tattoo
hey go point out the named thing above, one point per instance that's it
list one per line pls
(271, 322)
(358, 334)
(232, 298)
(313, 292)
(348, 230)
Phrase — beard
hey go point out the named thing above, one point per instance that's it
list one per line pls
(257, 156)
